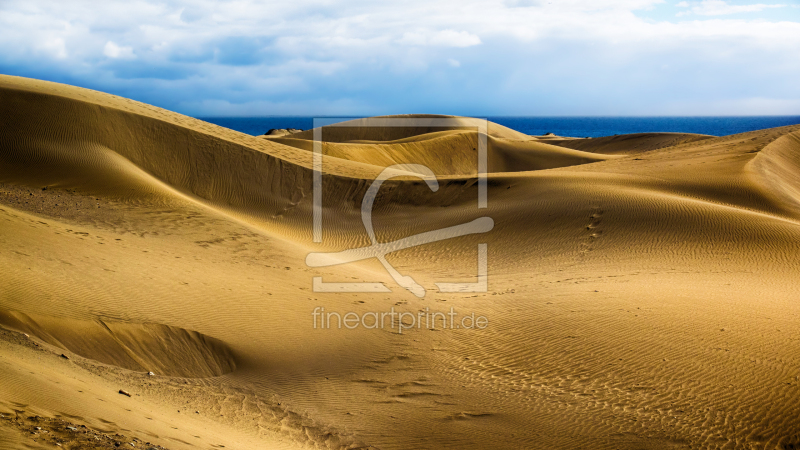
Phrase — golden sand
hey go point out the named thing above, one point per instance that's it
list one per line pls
(643, 290)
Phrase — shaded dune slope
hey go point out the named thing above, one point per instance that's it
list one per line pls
(75, 138)
(161, 349)
(777, 167)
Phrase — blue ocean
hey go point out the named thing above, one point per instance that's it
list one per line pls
(562, 126)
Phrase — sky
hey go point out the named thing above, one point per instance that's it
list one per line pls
(462, 57)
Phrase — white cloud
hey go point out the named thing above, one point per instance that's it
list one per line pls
(56, 47)
(550, 54)
(452, 38)
(113, 50)
(410, 38)
(722, 8)
(444, 38)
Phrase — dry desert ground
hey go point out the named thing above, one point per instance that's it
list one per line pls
(643, 291)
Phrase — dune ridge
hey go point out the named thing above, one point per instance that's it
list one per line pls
(452, 152)
(160, 349)
(628, 144)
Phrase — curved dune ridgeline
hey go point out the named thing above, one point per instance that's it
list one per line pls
(366, 129)
(452, 152)
(641, 289)
(77, 138)
(628, 144)
(161, 349)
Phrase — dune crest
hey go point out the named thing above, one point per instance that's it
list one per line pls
(628, 144)
(453, 152)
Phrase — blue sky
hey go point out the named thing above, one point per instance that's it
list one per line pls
(503, 57)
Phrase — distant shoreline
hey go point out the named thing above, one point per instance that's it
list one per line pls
(561, 126)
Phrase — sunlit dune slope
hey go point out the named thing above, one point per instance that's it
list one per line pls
(384, 128)
(452, 152)
(627, 144)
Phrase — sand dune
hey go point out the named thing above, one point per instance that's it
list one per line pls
(145, 348)
(452, 152)
(357, 129)
(642, 289)
(628, 144)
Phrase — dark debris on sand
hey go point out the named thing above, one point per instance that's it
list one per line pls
(63, 434)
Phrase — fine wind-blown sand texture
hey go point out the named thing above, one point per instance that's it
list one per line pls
(643, 290)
